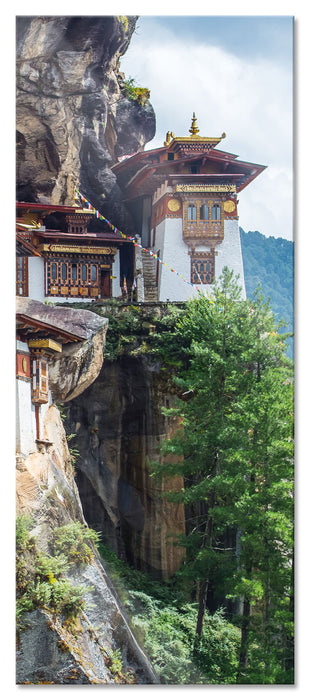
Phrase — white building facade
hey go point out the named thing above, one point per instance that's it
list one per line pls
(185, 196)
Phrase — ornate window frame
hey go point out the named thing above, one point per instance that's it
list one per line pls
(203, 267)
(21, 276)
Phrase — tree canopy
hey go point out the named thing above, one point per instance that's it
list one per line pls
(234, 449)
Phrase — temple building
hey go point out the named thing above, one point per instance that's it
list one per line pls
(184, 200)
(58, 259)
(37, 341)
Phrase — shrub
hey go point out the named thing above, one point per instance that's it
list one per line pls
(23, 537)
(135, 93)
(164, 624)
(74, 540)
(40, 577)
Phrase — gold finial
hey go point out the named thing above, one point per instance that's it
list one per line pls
(76, 196)
(168, 138)
(194, 128)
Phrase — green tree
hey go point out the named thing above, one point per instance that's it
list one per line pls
(265, 510)
(234, 452)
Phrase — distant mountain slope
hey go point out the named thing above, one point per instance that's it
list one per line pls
(270, 263)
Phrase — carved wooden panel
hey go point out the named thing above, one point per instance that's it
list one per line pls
(73, 277)
(22, 276)
(203, 268)
(203, 219)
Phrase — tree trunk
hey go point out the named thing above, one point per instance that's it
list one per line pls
(203, 593)
(289, 642)
(243, 657)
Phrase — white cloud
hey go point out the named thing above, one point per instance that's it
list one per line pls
(251, 100)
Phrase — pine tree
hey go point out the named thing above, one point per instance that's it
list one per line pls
(235, 455)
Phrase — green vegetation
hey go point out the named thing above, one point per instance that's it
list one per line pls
(123, 20)
(163, 622)
(134, 92)
(73, 541)
(236, 453)
(269, 262)
(40, 577)
(226, 359)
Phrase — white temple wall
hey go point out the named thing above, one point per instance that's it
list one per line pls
(25, 418)
(36, 289)
(230, 253)
(174, 252)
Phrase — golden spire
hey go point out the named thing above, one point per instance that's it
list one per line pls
(194, 128)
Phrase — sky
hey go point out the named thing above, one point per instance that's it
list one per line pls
(236, 74)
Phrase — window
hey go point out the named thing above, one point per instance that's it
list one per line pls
(65, 277)
(216, 212)
(202, 268)
(191, 212)
(170, 156)
(204, 212)
(194, 169)
(39, 392)
(22, 276)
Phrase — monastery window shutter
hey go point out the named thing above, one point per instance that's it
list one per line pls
(39, 381)
(192, 212)
(22, 276)
(84, 273)
(216, 212)
(204, 212)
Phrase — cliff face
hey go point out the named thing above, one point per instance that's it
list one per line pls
(73, 119)
(119, 429)
(50, 648)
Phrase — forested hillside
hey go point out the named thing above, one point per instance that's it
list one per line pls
(270, 263)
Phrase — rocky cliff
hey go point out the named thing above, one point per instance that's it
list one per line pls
(73, 117)
(119, 430)
(74, 120)
(90, 641)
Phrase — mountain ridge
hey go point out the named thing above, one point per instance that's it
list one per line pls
(269, 261)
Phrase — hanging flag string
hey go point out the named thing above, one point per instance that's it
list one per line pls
(132, 239)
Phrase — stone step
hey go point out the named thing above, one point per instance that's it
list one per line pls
(149, 277)
(150, 295)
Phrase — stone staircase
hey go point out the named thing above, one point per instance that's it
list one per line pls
(149, 277)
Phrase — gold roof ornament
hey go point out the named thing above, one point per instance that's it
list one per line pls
(194, 128)
(76, 198)
(169, 137)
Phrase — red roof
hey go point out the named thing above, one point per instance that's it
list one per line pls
(47, 208)
(99, 236)
(141, 175)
